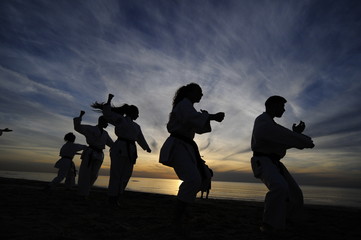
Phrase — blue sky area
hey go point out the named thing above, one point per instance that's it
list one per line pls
(57, 57)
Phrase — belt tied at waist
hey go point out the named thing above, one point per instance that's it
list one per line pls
(200, 161)
(94, 149)
(129, 143)
(276, 159)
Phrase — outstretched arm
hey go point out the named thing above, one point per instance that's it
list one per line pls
(270, 131)
(217, 117)
(6, 130)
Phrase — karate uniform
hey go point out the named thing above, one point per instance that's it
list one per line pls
(93, 156)
(123, 153)
(66, 165)
(178, 152)
(270, 142)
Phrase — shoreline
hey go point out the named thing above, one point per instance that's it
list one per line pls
(29, 213)
(244, 191)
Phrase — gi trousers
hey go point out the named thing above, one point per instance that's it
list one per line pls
(121, 169)
(67, 171)
(185, 166)
(284, 200)
(88, 171)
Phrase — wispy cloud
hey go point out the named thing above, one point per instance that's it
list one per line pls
(59, 57)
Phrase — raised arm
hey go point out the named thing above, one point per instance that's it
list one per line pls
(77, 124)
(110, 116)
(110, 97)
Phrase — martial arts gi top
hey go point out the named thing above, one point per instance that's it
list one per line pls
(127, 131)
(268, 137)
(184, 123)
(67, 153)
(95, 137)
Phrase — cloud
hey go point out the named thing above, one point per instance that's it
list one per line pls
(59, 57)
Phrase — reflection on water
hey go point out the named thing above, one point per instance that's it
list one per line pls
(220, 190)
(151, 185)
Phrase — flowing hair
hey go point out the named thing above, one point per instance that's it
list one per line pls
(125, 109)
(184, 92)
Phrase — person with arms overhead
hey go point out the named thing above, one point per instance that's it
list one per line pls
(269, 144)
(123, 154)
(92, 158)
(180, 151)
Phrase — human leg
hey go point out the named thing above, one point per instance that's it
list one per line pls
(70, 177)
(84, 173)
(115, 172)
(120, 173)
(126, 173)
(64, 167)
(97, 161)
(295, 199)
(187, 171)
(275, 200)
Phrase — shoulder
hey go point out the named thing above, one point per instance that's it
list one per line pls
(87, 126)
(136, 125)
(105, 132)
(183, 105)
(263, 117)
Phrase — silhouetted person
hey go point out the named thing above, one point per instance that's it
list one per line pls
(92, 158)
(65, 164)
(180, 151)
(123, 153)
(207, 182)
(5, 130)
(270, 142)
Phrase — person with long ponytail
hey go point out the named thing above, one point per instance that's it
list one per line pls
(180, 151)
(123, 153)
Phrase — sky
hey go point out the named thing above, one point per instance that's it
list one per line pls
(58, 57)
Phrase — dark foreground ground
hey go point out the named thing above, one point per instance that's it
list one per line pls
(29, 213)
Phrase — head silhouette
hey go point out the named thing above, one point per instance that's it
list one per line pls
(132, 112)
(191, 91)
(275, 106)
(69, 137)
(102, 122)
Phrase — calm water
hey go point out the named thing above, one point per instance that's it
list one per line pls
(220, 190)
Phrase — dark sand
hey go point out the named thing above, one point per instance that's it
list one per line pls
(29, 213)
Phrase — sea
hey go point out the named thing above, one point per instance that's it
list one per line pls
(313, 195)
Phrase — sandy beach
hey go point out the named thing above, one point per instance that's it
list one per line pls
(29, 213)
